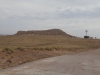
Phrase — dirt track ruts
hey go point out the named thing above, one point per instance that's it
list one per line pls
(84, 63)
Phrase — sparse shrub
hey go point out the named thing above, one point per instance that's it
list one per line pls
(20, 49)
(41, 48)
(3, 58)
(35, 48)
(12, 57)
(49, 49)
(7, 50)
(9, 61)
(6, 55)
(55, 48)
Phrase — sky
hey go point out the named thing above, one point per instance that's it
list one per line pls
(71, 16)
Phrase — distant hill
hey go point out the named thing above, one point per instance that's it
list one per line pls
(3, 34)
(44, 32)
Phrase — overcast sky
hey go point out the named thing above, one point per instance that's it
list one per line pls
(72, 16)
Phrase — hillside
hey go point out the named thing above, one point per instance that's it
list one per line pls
(44, 32)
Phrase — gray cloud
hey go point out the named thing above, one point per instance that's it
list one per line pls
(42, 10)
(74, 12)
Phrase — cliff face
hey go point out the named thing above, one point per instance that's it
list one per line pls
(44, 32)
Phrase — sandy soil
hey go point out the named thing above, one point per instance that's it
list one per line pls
(84, 63)
(18, 57)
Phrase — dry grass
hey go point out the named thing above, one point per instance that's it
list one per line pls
(44, 42)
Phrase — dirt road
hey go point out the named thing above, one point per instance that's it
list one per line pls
(84, 63)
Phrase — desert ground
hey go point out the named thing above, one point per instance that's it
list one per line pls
(19, 49)
(84, 63)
